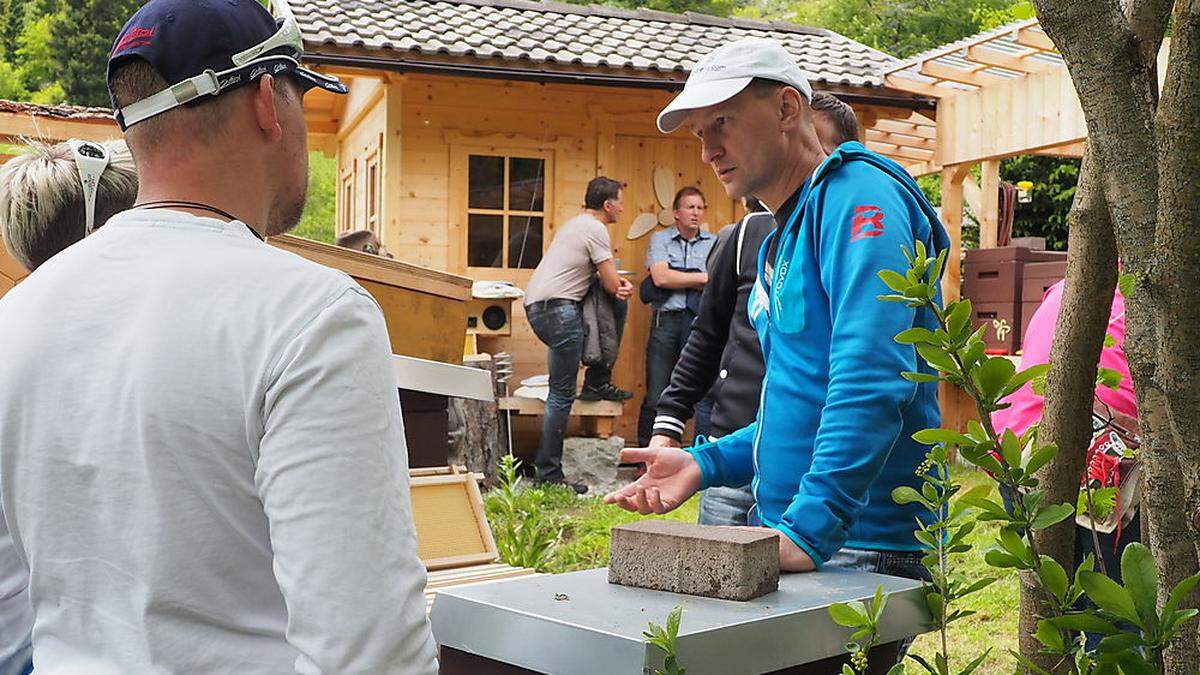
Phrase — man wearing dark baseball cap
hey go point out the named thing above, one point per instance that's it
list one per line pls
(203, 458)
(833, 436)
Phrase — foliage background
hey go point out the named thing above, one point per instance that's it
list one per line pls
(54, 51)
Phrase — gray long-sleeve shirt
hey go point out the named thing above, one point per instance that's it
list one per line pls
(202, 460)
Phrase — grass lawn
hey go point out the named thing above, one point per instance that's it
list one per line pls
(583, 525)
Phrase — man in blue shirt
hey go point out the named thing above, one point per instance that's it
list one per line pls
(833, 435)
(676, 261)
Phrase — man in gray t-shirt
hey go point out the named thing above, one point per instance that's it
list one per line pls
(568, 267)
(581, 249)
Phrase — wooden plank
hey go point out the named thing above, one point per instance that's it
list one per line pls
(431, 589)
(322, 127)
(392, 205)
(532, 406)
(15, 126)
(918, 169)
(897, 138)
(896, 151)
(337, 110)
(920, 118)
(960, 75)
(382, 270)
(971, 194)
(955, 47)
(906, 128)
(1034, 37)
(446, 578)
(361, 101)
(430, 471)
(421, 325)
(1072, 150)
(1020, 63)
(425, 310)
(957, 408)
(917, 86)
(1024, 116)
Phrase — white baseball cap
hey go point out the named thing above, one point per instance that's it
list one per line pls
(726, 70)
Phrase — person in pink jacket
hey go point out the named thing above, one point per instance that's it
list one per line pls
(1118, 405)
(1026, 406)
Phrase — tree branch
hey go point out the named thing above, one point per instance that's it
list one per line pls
(1148, 22)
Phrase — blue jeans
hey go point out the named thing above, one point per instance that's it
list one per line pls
(704, 415)
(668, 334)
(559, 325)
(725, 505)
(905, 564)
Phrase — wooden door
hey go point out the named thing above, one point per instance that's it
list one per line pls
(636, 158)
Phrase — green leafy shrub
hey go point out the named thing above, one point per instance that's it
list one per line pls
(1134, 630)
(524, 521)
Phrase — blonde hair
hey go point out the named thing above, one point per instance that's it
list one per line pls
(42, 209)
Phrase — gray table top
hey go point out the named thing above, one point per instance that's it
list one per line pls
(579, 624)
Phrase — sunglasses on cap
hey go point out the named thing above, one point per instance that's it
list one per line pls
(91, 159)
(278, 54)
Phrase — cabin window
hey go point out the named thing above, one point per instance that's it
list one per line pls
(346, 197)
(506, 204)
(373, 192)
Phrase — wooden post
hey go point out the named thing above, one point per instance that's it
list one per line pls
(952, 218)
(956, 407)
(989, 219)
(391, 183)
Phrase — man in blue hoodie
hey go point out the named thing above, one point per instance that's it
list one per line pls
(833, 436)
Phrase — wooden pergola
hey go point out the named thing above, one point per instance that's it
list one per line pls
(1001, 93)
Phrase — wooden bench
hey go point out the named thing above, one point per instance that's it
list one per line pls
(453, 537)
(598, 417)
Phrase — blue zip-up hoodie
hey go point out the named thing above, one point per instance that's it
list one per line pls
(833, 436)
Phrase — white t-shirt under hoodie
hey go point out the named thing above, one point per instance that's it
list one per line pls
(202, 460)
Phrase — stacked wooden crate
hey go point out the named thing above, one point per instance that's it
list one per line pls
(1038, 277)
(1005, 286)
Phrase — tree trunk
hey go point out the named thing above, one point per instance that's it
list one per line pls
(1066, 418)
(1111, 61)
(1178, 239)
(483, 437)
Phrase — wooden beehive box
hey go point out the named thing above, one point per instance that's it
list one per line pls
(996, 274)
(425, 309)
(452, 528)
(454, 539)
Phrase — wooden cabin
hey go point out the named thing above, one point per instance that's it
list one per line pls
(426, 309)
(472, 129)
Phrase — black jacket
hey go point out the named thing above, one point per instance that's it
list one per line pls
(723, 347)
(601, 330)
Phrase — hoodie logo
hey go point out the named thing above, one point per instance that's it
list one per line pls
(868, 222)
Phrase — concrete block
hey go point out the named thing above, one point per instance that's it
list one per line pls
(731, 563)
